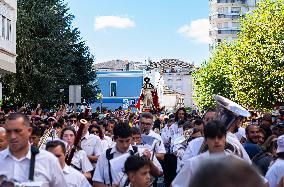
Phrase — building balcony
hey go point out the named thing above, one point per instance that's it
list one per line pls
(219, 18)
(228, 1)
(229, 31)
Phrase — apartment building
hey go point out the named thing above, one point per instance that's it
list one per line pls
(225, 18)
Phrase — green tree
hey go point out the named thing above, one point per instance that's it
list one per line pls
(51, 55)
(249, 70)
(213, 77)
(258, 78)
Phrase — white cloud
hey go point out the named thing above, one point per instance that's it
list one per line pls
(196, 30)
(102, 22)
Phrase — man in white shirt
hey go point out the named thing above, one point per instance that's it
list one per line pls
(215, 139)
(72, 176)
(15, 161)
(110, 164)
(166, 132)
(91, 144)
(194, 146)
(276, 171)
(145, 124)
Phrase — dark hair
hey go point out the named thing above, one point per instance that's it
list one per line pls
(135, 131)
(70, 128)
(231, 172)
(122, 130)
(14, 116)
(214, 129)
(171, 116)
(112, 121)
(198, 122)
(181, 123)
(270, 144)
(209, 110)
(134, 163)
(99, 129)
(187, 125)
(268, 131)
(61, 120)
(54, 144)
(57, 125)
(185, 114)
(36, 131)
(73, 116)
(146, 115)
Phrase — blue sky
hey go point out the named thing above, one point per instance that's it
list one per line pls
(136, 30)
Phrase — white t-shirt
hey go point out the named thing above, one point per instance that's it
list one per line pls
(187, 171)
(81, 161)
(74, 178)
(275, 173)
(195, 145)
(107, 143)
(92, 145)
(47, 169)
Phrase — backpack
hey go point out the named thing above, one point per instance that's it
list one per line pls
(109, 156)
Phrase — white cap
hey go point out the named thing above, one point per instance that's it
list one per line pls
(280, 144)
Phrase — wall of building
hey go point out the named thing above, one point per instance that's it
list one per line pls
(128, 88)
(181, 83)
(8, 18)
(225, 17)
(170, 101)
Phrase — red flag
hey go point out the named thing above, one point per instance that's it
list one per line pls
(138, 102)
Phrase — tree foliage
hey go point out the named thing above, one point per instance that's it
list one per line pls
(50, 55)
(249, 70)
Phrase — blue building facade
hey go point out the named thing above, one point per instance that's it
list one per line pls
(119, 88)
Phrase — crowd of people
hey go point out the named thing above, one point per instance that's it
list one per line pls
(122, 148)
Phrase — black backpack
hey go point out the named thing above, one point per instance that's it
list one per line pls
(109, 156)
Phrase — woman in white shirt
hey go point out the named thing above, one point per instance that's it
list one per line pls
(80, 160)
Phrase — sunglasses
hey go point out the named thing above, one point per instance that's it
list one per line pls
(94, 132)
(73, 121)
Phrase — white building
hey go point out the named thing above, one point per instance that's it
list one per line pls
(225, 18)
(172, 99)
(8, 18)
(176, 75)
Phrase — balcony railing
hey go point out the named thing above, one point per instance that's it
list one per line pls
(231, 31)
(232, 1)
(229, 16)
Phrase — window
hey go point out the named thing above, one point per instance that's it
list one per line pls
(9, 30)
(113, 85)
(236, 25)
(3, 26)
(225, 25)
(235, 9)
(223, 10)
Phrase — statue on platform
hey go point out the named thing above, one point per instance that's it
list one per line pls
(148, 98)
